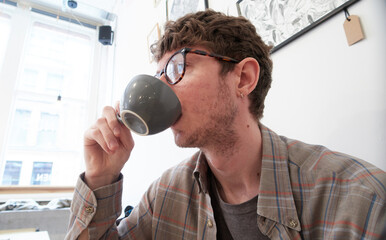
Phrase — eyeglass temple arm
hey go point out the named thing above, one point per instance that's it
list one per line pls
(219, 57)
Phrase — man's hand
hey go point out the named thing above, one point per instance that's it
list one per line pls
(107, 147)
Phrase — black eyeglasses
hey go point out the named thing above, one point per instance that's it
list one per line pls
(174, 69)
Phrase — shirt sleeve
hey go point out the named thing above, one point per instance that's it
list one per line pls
(96, 210)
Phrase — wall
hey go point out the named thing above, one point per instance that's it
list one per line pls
(323, 92)
(152, 155)
(328, 93)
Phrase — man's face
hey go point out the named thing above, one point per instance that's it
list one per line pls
(207, 101)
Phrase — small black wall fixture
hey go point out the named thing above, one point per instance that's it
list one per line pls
(106, 35)
(72, 4)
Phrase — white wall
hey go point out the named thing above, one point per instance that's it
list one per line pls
(323, 91)
(329, 93)
(152, 155)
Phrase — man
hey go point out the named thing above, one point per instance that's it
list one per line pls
(246, 182)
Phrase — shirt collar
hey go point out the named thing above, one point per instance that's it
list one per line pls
(276, 201)
(200, 172)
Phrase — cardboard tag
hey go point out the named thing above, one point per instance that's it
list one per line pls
(353, 30)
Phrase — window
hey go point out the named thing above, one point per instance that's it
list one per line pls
(54, 82)
(56, 63)
(51, 103)
(20, 127)
(29, 78)
(48, 128)
(41, 173)
(12, 173)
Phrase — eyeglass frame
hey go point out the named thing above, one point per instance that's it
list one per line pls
(184, 51)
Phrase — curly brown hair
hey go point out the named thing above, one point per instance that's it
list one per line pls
(233, 37)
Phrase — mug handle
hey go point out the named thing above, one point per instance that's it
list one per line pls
(119, 118)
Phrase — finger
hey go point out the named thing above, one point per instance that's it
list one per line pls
(112, 121)
(117, 108)
(126, 138)
(107, 133)
(94, 136)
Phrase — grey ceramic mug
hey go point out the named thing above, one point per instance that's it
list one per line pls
(148, 105)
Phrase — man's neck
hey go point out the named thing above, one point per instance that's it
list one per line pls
(237, 170)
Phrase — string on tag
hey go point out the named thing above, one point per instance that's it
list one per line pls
(347, 14)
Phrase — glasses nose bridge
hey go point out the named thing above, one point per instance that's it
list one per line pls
(161, 76)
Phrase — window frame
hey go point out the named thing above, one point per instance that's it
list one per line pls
(8, 18)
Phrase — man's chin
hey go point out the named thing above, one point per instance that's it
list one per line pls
(180, 139)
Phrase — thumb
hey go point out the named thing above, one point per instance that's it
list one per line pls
(117, 110)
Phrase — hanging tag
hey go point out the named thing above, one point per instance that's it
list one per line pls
(353, 29)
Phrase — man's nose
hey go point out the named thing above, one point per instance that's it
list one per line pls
(161, 77)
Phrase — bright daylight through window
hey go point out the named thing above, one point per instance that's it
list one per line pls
(50, 102)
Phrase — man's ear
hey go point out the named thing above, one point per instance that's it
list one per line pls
(249, 72)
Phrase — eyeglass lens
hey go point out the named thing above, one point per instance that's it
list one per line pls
(175, 67)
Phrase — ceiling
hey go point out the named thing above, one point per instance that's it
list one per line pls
(96, 10)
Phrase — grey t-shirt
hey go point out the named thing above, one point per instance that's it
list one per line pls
(240, 219)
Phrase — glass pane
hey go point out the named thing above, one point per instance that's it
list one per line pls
(29, 78)
(48, 128)
(12, 173)
(20, 127)
(46, 134)
(61, 61)
(5, 28)
(41, 173)
(54, 82)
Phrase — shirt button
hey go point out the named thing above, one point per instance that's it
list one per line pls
(210, 223)
(89, 209)
(293, 223)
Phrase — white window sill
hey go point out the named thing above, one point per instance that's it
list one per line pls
(39, 194)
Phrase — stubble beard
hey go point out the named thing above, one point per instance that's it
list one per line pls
(217, 133)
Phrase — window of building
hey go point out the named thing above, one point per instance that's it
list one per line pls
(19, 130)
(41, 173)
(11, 175)
(48, 129)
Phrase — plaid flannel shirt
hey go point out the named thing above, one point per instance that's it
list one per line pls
(306, 192)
